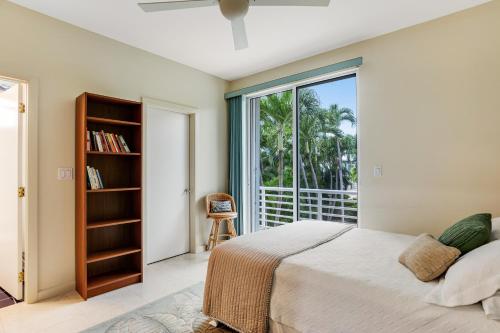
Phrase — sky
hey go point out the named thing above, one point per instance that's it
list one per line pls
(341, 92)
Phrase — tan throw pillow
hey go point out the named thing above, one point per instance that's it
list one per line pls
(427, 258)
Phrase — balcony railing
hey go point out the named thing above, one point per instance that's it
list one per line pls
(276, 206)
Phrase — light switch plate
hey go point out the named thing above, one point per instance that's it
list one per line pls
(377, 171)
(65, 174)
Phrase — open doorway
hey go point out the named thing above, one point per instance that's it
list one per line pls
(13, 172)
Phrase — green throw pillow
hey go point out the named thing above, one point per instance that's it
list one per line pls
(469, 233)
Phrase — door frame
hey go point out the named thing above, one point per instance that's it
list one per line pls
(192, 113)
(249, 127)
(30, 209)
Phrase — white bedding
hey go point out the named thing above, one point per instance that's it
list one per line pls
(356, 284)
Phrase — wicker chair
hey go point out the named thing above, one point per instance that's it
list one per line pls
(218, 218)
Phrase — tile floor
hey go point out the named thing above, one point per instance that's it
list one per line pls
(69, 313)
(6, 299)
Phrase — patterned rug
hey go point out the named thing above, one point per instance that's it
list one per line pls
(177, 313)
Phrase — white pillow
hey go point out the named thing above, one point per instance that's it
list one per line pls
(495, 230)
(491, 307)
(474, 277)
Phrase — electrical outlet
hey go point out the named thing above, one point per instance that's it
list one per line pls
(65, 174)
(377, 171)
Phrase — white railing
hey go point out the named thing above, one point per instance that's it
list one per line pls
(276, 205)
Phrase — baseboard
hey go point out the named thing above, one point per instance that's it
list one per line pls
(200, 249)
(55, 291)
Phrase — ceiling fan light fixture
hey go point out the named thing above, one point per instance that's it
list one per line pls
(233, 9)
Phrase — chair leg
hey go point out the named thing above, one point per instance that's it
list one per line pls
(211, 236)
(216, 233)
(231, 229)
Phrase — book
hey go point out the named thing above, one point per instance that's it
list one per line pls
(94, 179)
(93, 143)
(115, 143)
(111, 143)
(89, 184)
(99, 143)
(87, 144)
(99, 178)
(124, 144)
(104, 140)
(90, 178)
(117, 139)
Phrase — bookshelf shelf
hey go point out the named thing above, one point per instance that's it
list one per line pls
(112, 121)
(109, 254)
(104, 280)
(120, 189)
(103, 153)
(108, 221)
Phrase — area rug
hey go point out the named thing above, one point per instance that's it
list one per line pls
(177, 313)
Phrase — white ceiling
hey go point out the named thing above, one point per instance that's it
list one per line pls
(201, 37)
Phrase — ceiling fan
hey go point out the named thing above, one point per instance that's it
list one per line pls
(233, 10)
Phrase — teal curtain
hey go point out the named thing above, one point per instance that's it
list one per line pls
(235, 145)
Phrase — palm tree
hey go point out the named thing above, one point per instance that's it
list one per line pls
(276, 110)
(349, 148)
(334, 117)
(309, 106)
(276, 113)
(308, 134)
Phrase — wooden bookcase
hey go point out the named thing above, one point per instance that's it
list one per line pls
(109, 220)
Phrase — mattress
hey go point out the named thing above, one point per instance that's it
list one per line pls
(356, 284)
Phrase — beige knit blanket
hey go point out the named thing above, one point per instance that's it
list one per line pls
(240, 272)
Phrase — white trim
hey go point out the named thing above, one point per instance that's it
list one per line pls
(170, 106)
(358, 150)
(295, 153)
(194, 228)
(31, 291)
(30, 218)
(250, 166)
(246, 195)
(56, 291)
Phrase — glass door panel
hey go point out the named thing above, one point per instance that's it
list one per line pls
(327, 150)
(273, 159)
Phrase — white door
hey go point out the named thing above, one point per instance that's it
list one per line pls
(11, 178)
(167, 184)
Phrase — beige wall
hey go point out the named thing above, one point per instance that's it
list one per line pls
(67, 61)
(429, 103)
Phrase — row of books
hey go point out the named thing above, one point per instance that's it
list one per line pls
(94, 179)
(106, 142)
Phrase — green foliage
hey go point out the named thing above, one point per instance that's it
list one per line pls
(327, 156)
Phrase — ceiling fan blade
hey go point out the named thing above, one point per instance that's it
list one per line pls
(239, 33)
(312, 3)
(173, 5)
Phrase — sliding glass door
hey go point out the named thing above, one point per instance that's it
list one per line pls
(303, 153)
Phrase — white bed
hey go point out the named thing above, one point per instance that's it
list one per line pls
(356, 284)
